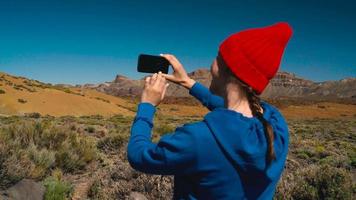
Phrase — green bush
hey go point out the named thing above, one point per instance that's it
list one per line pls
(42, 160)
(90, 129)
(2, 91)
(67, 90)
(75, 153)
(57, 189)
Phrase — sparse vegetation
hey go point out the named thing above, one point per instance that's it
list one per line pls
(17, 88)
(173, 109)
(67, 90)
(133, 109)
(321, 161)
(33, 115)
(112, 142)
(32, 148)
(21, 100)
(102, 99)
(22, 87)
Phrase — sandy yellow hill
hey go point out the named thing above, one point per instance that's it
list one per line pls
(19, 95)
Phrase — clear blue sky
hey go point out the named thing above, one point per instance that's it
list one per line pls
(90, 41)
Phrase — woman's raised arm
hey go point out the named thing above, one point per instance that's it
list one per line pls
(195, 88)
(208, 99)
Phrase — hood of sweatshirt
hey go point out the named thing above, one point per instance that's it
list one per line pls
(243, 141)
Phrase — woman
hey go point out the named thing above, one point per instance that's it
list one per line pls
(239, 149)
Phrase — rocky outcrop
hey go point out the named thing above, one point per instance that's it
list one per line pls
(286, 84)
(120, 78)
(25, 189)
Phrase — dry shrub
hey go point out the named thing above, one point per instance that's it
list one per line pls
(316, 182)
(31, 149)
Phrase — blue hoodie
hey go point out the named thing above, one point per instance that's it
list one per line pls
(222, 156)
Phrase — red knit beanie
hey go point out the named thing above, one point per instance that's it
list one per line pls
(254, 55)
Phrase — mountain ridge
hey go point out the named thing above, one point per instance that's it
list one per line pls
(282, 85)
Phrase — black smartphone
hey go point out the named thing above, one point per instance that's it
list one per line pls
(152, 64)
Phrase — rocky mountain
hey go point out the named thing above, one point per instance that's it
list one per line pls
(283, 85)
(289, 85)
(123, 86)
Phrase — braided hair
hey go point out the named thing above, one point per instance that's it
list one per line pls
(256, 108)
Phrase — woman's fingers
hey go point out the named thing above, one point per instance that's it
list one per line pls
(157, 79)
(164, 90)
(169, 77)
(173, 60)
(179, 74)
(161, 80)
(147, 81)
(155, 88)
(154, 77)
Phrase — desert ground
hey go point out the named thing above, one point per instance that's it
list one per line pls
(72, 141)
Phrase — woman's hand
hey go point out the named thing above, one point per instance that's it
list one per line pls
(155, 89)
(179, 75)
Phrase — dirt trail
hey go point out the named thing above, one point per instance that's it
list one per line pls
(81, 189)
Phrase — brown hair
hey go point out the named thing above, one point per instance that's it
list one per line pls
(256, 108)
